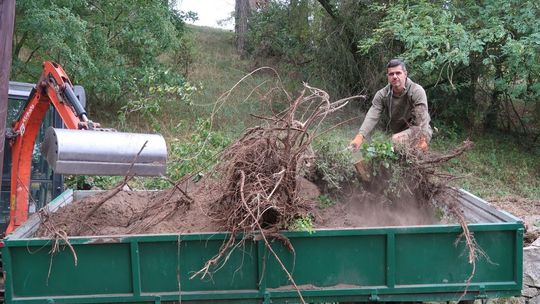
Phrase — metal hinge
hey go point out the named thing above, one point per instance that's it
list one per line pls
(374, 297)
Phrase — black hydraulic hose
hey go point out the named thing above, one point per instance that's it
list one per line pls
(74, 101)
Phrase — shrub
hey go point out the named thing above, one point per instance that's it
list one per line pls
(333, 168)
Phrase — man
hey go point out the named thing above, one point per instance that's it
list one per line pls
(405, 103)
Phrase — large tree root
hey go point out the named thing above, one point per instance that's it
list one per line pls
(259, 177)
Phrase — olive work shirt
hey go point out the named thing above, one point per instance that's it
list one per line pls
(407, 111)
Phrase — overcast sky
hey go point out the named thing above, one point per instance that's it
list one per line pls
(209, 11)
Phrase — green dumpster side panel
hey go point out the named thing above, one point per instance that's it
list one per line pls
(161, 262)
(436, 259)
(395, 264)
(108, 264)
(330, 261)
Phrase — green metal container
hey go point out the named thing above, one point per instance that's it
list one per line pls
(414, 263)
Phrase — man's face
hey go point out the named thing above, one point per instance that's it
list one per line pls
(397, 77)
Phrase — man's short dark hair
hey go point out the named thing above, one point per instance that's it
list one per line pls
(396, 62)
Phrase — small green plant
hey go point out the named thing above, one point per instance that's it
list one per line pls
(303, 223)
(379, 151)
(325, 201)
(382, 161)
(199, 152)
(333, 165)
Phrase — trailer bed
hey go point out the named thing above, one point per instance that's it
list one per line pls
(411, 263)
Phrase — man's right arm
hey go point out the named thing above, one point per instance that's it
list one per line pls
(373, 115)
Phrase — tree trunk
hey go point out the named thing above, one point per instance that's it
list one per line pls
(7, 19)
(242, 13)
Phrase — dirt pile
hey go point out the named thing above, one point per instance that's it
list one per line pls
(137, 212)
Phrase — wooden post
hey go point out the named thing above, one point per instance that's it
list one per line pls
(7, 19)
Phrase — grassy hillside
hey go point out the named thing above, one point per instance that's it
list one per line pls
(229, 87)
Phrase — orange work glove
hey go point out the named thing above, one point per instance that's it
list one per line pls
(357, 141)
(422, 144)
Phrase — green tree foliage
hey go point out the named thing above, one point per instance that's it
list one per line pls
(478, 60)
(320, 39)
(113, 48)
(280, 30)
(342, 24)
(480, 57)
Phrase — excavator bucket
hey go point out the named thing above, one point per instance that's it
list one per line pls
(89, 152)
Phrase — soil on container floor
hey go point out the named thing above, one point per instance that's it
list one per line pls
(153, 212)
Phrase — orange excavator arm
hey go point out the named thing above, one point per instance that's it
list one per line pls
(94, 151)
(53, 88)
